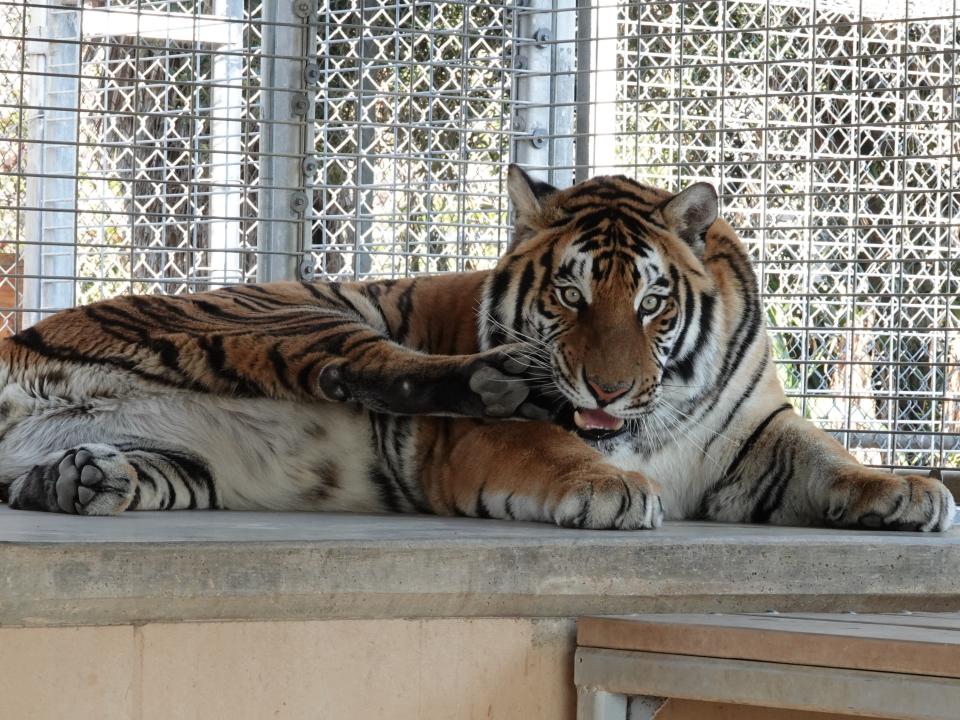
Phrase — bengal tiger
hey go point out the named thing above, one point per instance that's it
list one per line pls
(623, 323)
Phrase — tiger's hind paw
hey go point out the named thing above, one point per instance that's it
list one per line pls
(876, 499)
(94, 480)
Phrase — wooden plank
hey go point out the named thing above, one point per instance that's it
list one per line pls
(773, 638)
(748, 682)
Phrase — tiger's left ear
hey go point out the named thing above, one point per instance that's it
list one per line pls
(690, 212)
(526, 194)
(527, 197)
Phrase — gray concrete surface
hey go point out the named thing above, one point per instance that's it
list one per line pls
(143, 567)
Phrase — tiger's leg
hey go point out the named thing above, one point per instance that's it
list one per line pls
(488, 384)
(292, 343)
(105, 479)
(789, 472)
(535, 471)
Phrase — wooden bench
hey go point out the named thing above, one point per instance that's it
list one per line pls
(881, 666)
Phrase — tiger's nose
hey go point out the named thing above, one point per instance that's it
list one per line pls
(606, 393)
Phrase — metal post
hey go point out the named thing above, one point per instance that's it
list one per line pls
(546, 82)
(596, 704)
(364, 181)
(286, 138)
(226, 146)
(49, 259)
(599, 127)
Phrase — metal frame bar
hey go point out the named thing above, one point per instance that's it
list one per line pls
(286, 108)
(49, 262)
(605, 673)
(545, 55)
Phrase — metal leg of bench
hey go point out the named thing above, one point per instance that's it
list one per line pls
(594, 704)
(644, 707)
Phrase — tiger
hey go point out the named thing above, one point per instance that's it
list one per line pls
(611, 371)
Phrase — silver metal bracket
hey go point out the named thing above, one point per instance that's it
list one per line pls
(298, 202)
(541, 36)
(311, 74)
(309, 166)
(306, 270)
(299, 104)
(302, 8)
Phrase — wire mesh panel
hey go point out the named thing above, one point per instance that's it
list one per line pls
(831, 131)
(413, 133)
(130, 145)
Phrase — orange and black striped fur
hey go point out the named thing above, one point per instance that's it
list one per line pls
(628, 315)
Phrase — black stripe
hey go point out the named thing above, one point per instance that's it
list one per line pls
(279, 364)
(135, 503)
(754, 436)
(212, 346)
(482, 510)
(405, 310)
(193, 467)
(684, 367)
(688, 311)
(386, 490)
(33, 341)
(773, 493)
(220, 313)
(523, 288)
(508, 508)
(748, 326)
(751, 386)
(345, 300)
(172, 495)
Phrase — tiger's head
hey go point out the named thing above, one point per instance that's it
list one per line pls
(605, 282)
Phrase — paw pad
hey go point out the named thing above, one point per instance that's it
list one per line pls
(94, 481)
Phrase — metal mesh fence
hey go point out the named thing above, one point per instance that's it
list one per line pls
(831, 130)
(413, 132)
(169, 146)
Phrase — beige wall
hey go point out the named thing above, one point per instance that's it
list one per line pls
(324, 670)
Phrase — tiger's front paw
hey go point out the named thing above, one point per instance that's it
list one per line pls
(876, 499)
(605, 498)
(507, 380)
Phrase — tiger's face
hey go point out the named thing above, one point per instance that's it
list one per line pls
(605, 282)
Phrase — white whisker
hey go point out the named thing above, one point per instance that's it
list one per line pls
(686, 416)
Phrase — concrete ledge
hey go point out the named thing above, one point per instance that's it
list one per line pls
(146, 567)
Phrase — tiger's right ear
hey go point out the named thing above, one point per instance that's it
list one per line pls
(526, 194)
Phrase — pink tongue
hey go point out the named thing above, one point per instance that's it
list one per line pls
(599, 419)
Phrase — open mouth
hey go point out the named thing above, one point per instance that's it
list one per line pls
(591, 425)
(590, 420)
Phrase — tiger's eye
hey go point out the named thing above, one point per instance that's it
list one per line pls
(570, 296)
(651, 303)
